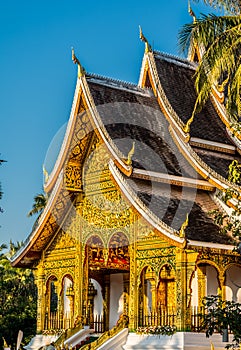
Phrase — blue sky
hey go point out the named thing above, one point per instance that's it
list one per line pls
(38, 77)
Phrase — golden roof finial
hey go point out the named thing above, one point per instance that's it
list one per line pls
(221, 86)
(5, 345)
(46, 175)
(183, 228)
(130, 154)
(191, 13)
(186, 127)
(81, 71)
(143, 38)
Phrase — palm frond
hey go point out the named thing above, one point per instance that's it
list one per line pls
(40, 201)
(232, 6)
(221, 38)
(205, 30)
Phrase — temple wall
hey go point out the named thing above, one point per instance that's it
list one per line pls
(116, 297)
(212, 281)
(98, 299)
(233, 284)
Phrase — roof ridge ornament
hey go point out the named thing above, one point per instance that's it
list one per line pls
(81, 70)
(46, 174)
(128, 161)
(143, 38)
(186, 127)
(221, 87)
(183, 227)
(191, 13)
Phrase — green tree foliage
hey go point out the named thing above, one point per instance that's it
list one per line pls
(231, 223)
(220, 315)
(18, 297)
(228, 5)
(40, 201)
(220, 37)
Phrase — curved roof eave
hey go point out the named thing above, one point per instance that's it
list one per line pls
(34, 235)
(210, 245)
(99, 127)
(162, 228)
(48, 186)
(169, 112)
(177, 125)
(200, 166)
(222, 112)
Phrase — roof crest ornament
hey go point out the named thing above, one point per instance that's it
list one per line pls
(128, 161)
(81, 70)
(183, 228)
(143, 38)
(221, 86)
(46, 175)
(191, 13)
(186, 127)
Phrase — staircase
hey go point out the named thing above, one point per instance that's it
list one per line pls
(179, 341)
(88, 340)
(40, 340)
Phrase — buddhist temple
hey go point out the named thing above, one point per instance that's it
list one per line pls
(127, 238)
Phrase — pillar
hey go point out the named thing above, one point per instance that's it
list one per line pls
(181, 280)
(40, 283)
(134, 283)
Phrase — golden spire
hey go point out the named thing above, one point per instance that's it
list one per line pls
(46, 175)
(81, 71)
(143, 38)
(130, 154)
(183, 228)
(190, 11)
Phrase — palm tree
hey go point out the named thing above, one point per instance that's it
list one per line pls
(40, 201)
(220, 36)
(228, 5)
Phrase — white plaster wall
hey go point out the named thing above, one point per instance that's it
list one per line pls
(212, 280)
(233, 284)
(98, 299)
(149, 296)
(116, 298)
(67, 283)
(194, 287)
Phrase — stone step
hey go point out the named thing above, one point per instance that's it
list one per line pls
(180, 340)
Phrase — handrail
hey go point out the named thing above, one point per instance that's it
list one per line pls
(67, 334)
(121, 324)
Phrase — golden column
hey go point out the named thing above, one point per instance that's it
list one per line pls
(40, 282)
(70, 296)
(181, 282)
(133, 287)
(202, 283)
(191, 266)
(221, 278)
(79, 259)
